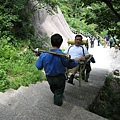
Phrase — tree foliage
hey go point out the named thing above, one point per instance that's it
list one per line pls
(105, 14)
(17, 62)
(15, 21)
(74, 14)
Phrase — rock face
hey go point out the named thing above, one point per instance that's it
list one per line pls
(50, 24)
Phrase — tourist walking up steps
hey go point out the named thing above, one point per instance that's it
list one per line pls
(55, 68)
(106, 41)
(98, 38)
(92, 39)
(111, 41)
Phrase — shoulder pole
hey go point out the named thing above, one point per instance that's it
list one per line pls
(54, 53)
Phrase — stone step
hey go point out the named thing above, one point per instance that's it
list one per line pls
(72, 94)
(5, 97)
(84, 96)
(47, 111)
(35, 102)
(22, 88)
(1, 94)
(77, 96)
(79, 113)
(23, 110)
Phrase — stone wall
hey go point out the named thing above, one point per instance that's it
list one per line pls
(50, 24)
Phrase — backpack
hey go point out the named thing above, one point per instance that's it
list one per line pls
(111, 40)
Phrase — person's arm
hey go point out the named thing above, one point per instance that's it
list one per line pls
(92, 60)
(69, 63)
(39, 62)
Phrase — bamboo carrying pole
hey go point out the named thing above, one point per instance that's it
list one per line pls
(82, 67)
(55, 53)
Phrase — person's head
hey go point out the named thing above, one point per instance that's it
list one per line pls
(56, 40)
(78, 40)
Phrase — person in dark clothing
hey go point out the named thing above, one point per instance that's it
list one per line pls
(55, 68)
(98, 40)
(106, 40)
(88, 68)
(92, 39)
(111, 41)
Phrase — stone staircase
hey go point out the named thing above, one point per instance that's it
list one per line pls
(35, 102)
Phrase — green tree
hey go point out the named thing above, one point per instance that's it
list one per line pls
(104, 14)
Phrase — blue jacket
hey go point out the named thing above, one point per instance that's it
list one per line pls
(54, 64)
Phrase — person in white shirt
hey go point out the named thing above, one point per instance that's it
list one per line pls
(77, 51)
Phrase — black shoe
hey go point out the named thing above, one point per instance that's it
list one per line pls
(86, 80)
(71, 80)
(83, 77)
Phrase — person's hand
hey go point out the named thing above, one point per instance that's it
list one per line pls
(82, 59)
(77, 59)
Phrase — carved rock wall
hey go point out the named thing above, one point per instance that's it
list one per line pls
(45, 23)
